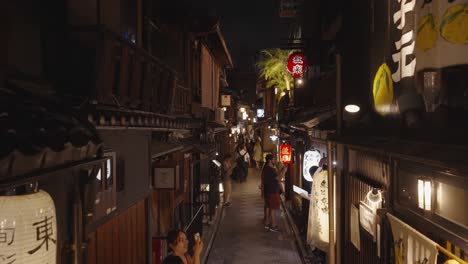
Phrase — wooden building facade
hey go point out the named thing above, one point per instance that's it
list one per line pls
(131, 79)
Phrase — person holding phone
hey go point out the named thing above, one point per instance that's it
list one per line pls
(178, 244)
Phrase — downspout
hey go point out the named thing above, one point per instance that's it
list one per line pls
(339, 203)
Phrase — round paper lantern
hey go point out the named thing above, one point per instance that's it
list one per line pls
(28, 229)
(296, 64)
(285, 153)
(311, 158)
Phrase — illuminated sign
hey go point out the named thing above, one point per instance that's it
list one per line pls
(311, 158)
(260, 112)
(285, 153)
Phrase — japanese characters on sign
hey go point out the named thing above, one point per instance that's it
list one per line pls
(296, 64)
(405, 45)
(285, 153)
(28, 229)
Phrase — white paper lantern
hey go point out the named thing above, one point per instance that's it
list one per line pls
(28, 229)
(311, 158)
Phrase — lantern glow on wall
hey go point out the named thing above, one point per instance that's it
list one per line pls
(285, 153)
(28, 228)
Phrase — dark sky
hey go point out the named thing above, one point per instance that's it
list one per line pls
(249, 25)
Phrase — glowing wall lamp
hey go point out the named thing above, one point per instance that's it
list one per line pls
(374, 198)
(242, 109)
(352, 108)
(424, 193)
(273, 137)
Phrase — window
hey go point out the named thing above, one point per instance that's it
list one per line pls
(447, 191)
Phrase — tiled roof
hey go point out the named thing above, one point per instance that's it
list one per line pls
(40, 132)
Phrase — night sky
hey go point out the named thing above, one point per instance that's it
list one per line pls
(249, 25)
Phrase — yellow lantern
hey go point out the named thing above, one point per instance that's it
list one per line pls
(28, 228)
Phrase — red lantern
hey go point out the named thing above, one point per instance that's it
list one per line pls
(296, 64)
(285, 153)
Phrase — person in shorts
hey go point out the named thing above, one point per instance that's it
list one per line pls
(271, 191)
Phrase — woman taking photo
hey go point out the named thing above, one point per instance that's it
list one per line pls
(178, 243)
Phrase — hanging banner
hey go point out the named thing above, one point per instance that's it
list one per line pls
(317, 228)
(421, 45)
(411, 246)
(225, 100)
(441, 33)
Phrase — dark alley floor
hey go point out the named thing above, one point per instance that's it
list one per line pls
(242, 238)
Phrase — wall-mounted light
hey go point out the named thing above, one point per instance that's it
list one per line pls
(424, 194)
(374, 198)
(299, 81)
(352, 108)
(224, 109)
(242, 109)
(273, 137)
(255, 120)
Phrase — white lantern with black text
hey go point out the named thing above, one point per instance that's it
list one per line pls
(28, 229)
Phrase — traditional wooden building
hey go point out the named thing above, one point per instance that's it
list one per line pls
(133, 84)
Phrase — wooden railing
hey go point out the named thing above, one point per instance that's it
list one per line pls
(128, 76)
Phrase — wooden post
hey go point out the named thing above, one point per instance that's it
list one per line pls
(331, 205)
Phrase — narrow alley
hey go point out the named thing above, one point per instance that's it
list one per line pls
(242, 238)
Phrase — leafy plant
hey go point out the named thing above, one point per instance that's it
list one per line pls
(272, 67)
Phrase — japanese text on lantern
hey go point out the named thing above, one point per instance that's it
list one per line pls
(285, 153)
(405, 45)
(7, 237)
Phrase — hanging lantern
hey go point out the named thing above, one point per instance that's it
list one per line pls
(296, 64)
(285, 153)
(28, 228)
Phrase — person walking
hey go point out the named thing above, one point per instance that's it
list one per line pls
(271, 191)
(226, 171)
(257, 153)
(243, 159)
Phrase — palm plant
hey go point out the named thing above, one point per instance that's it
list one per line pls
(272, 67)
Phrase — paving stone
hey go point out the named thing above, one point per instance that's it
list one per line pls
(242, 237)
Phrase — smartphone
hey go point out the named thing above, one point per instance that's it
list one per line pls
(197, 237)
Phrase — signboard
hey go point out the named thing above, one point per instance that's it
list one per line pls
(296, 64)
(289, 8)
(367, 219)
(166, 177)
(285, 153)
(225, 100)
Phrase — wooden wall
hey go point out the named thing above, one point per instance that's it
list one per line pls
(122, 239)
